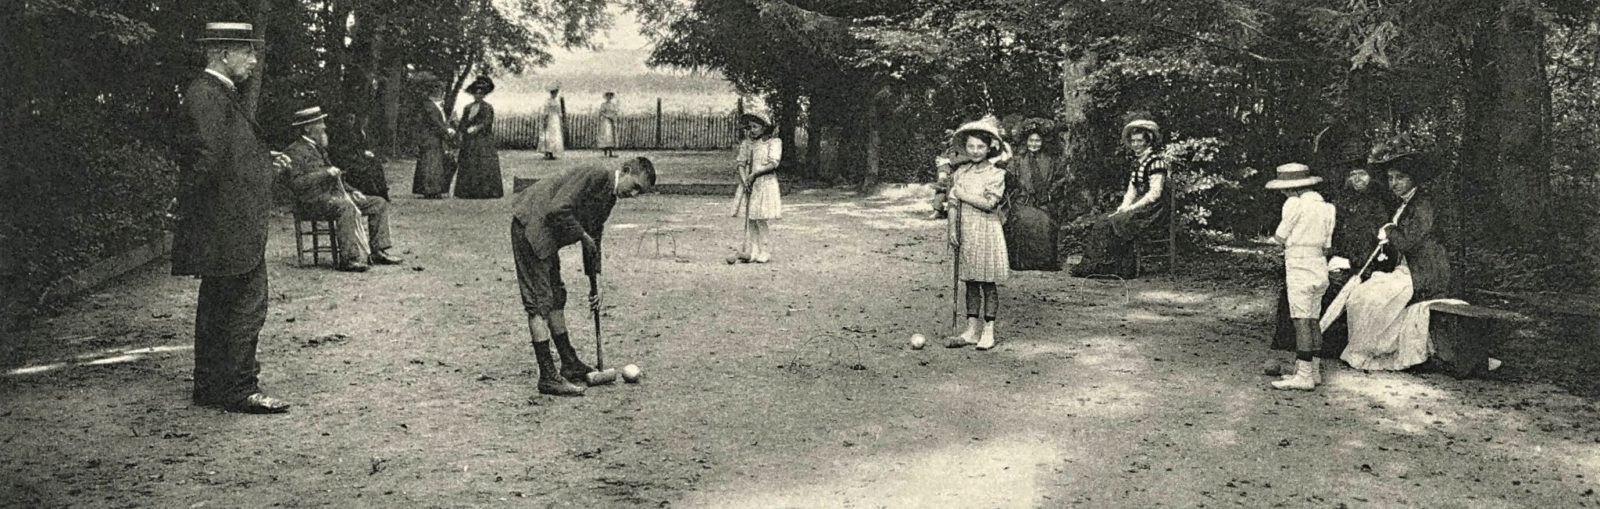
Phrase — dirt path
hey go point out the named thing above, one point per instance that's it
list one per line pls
(779, 385)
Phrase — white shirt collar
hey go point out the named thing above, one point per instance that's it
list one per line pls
(222, 77)
(308, 139)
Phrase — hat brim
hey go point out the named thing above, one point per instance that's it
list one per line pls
(1294, 183)
(746, 117)
(311, 120)
(230, 39)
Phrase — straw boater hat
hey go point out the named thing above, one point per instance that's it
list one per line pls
(483, 83)
(310, 115)
(555, 87)
(1147, 125)
(228, 32)
(1294, 175)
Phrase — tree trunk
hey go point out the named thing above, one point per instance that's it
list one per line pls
(1505, 154)
(252, 87)
(1074, 125)
(874, 143)
(394, 88)
(1523, 116)
(785, 105)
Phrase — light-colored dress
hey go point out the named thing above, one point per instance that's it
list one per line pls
(983, 241)
(551, 141)
(754, 156)
(608, 125)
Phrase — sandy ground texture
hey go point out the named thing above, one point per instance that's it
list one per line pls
(788, 384)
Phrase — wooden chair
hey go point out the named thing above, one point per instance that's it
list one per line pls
(1163, 244)
(323, 239)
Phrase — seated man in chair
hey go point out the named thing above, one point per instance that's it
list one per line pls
(320, 193)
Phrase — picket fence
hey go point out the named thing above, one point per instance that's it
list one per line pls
(658, 131)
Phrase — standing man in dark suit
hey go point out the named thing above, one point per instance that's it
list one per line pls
(562, 210)
(320, 192)
(224, 196)
(434, 172)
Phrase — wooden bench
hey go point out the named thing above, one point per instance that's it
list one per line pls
(1463, 334)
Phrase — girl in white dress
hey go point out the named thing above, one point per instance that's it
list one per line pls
(757, 199)
(976, 218)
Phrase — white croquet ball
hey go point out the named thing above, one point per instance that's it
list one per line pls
(917, 341)
(631, 374)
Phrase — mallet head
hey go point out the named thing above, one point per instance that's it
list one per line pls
(607, 376)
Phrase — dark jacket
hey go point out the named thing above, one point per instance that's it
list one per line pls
(556, 211)
(1413, 238)
(1355, 234)
(315, 190)
(1040, 176)
(224, 185)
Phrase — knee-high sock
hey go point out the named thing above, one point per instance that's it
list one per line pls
(974, 298)
(991, 300)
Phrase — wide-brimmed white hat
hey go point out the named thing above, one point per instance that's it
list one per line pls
(1294, 175)
(989, 125)
(1148, 125)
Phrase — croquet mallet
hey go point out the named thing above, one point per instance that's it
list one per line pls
(600, 375)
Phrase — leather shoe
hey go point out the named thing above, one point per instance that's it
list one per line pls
(560, 387)
(258, 403)
(354, 267)
(382, 258)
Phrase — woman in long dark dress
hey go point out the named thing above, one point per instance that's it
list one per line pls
(433, 174)
(479, 173)
(1110, 248)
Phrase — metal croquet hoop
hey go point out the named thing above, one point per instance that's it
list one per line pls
(1127, 297)
(655, 231)
(797, 364)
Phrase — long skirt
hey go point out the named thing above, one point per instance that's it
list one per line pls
(766, 201)
(1385, 332)
(479, 175)
(608, 134)
(1112, 245)
(366, 175)
(551, 141)
(435, 169)
(983, 253)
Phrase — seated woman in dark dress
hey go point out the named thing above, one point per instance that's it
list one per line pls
(1110, 248)
(350, 150)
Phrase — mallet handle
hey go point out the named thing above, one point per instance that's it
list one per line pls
(599, 350)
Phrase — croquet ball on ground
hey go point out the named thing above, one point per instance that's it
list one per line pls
(918, 341)
(631, 374)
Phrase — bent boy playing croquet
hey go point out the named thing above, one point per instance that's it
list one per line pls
(569, 208)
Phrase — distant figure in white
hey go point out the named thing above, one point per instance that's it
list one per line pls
(550, 142)
(608, 125)
(758, 197)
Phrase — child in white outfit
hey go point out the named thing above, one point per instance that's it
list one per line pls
(1306, 232)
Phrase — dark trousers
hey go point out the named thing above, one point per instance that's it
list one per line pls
(227, 325)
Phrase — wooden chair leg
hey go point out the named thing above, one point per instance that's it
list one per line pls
(299, 243)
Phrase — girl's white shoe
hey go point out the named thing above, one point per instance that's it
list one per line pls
(986, 340)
